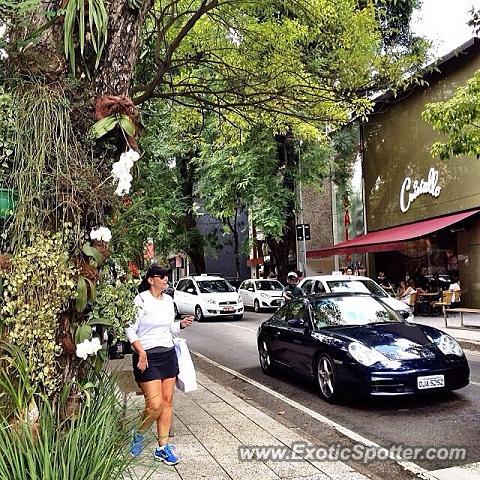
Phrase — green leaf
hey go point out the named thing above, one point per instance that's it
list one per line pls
(100, 321)
(81, 300)
(90, 251)
(100, 359)
(103, 126)
(92, 290)
(127, 125)
(81, 25)
(82, 333)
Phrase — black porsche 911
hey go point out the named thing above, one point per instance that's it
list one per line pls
(356, 344)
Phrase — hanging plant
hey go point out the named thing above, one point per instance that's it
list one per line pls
(95, 31)
(39, 287)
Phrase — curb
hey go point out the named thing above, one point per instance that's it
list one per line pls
(471, 345)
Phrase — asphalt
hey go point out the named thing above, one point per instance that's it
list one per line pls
(212, 424)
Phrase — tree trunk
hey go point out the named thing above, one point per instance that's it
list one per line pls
(115, 72)
(236, 242)
(197, 257)
(194, 244)
(287, 161)
(280, 251)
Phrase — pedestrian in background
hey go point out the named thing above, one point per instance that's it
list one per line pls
(401, 289)
(408, 294)
(292, 290)
(155, 364)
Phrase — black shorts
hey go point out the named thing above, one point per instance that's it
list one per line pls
(161, 364)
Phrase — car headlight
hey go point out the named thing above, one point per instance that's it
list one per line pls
(264, 295)
(239, 299)
(365, 355)
(211, 300)
(448, 345)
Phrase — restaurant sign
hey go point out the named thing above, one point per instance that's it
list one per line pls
(411, 190)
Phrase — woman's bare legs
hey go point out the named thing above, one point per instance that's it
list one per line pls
(164, 420)
(158, 407)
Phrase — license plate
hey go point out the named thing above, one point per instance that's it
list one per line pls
(228, 309)
(430, 381)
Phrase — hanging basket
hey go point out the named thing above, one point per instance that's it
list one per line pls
(7, 202)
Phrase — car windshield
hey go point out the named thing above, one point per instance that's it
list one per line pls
(356, 286)
(269, 285)
(214, 286)
(350, 310)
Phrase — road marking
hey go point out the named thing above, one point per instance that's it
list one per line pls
(412, 467)
(242, 328)
(475, 383)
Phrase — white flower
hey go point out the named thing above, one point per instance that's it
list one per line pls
(82, 349)
(95, 345)
(101, 234)
(121, 171)
(88, 347)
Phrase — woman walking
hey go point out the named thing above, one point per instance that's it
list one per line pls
(155, 365)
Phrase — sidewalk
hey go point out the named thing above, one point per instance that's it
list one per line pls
(209, 427)
(212, 423)
(468, 338)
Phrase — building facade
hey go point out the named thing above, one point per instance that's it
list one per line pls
(422, 213)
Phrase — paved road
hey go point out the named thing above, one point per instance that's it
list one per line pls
(449, 419)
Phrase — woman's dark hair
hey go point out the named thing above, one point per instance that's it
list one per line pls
(153, 271)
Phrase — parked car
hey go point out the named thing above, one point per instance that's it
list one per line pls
(169, 290)
(353, 343)
(354, 283)
(261, 294)
(207, 296)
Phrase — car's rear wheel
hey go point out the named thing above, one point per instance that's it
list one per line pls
(238, 317)
(327, 377)
(256, 306)
(264, 357)
(198, 313)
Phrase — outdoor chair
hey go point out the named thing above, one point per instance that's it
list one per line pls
(456, 298)
(445, 302)
(413, 301)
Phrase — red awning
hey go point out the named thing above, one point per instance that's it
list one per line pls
(390, 238)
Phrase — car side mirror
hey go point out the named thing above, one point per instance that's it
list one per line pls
(405, 314)
(251, 289)
(296, 322)
(190, 290)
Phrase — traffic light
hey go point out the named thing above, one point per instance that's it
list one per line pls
(303, 231)
(300, 231)
(307, 231)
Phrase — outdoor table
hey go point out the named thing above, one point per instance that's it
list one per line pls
(428, 297)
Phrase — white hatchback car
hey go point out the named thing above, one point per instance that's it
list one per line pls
(207, 296)
(259, 293)
(354, 283)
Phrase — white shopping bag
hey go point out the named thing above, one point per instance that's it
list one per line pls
(186, 378)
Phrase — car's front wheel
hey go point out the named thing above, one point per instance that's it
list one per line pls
(256, 306)
(327, 377)
(198, 313)
(264, 357)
